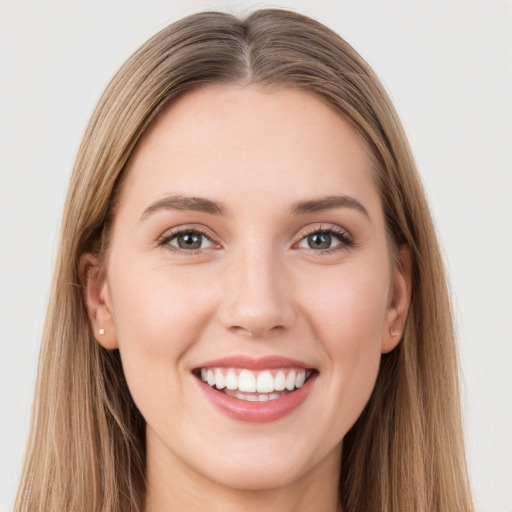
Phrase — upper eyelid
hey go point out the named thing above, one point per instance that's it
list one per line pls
(202, 230)
(211, 236)
(323, 227)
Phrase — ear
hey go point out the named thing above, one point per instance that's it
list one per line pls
(97, 301)
(399, 301)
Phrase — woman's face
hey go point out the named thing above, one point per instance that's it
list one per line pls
(248, 250)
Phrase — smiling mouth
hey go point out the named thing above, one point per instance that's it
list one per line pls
(254, 386)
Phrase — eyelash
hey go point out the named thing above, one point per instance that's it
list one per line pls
(166, 239)
(346, 241)
(344, 238)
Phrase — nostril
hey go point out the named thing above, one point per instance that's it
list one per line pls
(255, 331)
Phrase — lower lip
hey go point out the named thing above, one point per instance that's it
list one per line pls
(257, 412)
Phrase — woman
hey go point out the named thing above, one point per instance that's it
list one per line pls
(249, 307)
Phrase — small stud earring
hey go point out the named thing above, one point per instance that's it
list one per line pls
(102, 332)
(393, 331)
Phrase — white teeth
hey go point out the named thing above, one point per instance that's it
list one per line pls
(280, 381)
(265, 382)
(220, 381)
(248, 398)
(300, 379)
(232, 380)
(247, 381)
(290, 381)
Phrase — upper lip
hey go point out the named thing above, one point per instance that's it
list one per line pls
(262, 363)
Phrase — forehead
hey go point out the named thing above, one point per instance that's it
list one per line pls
(242, 143)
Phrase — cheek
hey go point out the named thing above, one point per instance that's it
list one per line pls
(158, 316)
(158, 310)
(348, 308)
(348, 316)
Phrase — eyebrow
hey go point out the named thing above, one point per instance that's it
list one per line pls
(328, 203)
(190, 203)
(201, 204)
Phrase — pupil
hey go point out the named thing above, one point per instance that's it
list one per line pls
(319, 241)
(189, 241)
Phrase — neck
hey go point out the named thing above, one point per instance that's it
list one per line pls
(174, 486)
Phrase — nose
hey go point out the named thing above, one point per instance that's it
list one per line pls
(257, 296)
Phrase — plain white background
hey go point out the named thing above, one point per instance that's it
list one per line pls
(448, 68)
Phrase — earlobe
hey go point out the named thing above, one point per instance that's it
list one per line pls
(97, 301)
(400, 298)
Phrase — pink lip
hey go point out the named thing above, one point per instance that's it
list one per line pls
(250, 363)
(257, 412)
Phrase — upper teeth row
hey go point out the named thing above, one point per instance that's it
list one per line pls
(248, 382)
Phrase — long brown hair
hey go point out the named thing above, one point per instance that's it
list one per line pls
(87, 443)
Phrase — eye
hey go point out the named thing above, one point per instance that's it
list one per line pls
(325, 239)
(187, 240)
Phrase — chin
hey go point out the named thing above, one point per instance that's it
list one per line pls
(263, 463)
(257, 477)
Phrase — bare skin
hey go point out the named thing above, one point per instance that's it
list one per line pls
(269, 265)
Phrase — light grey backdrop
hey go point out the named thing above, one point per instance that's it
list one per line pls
(447, 66)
